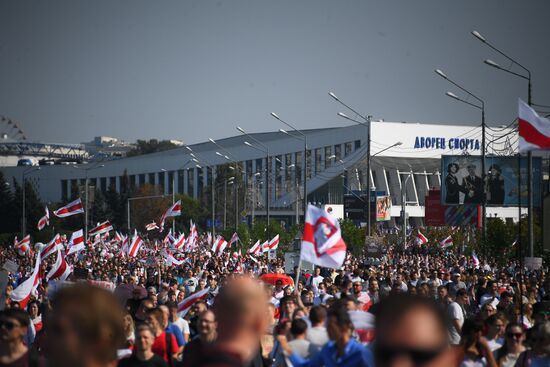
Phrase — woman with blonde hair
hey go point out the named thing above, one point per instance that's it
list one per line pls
(129, 330)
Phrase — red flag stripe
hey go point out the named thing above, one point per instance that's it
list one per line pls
(531, 135)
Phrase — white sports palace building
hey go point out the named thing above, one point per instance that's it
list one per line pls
(336, 163)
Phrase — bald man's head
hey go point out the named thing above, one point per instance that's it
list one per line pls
(240, 308)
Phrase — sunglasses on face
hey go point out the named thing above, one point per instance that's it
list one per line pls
(8, 325)
(514, 335)
(386, 353)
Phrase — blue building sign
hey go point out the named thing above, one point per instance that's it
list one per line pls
(431, 142)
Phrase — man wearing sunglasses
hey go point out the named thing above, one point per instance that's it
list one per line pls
(411, 331)
(13, 329)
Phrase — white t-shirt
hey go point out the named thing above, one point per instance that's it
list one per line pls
(315, 281)
(454, 312)
(183, 325)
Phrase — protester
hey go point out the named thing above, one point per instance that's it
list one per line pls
(143, 355)
(13, 329)
(514, 338)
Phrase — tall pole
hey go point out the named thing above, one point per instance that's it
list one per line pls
(213, 206)
(86, 206)
(530, 182)
(305, 178)
(128, 215)
(173, 201)
(267, 188)
(236, 200)
(483, 176)
(23, 219)
(224, 204)
(404, 210)
(368, 178)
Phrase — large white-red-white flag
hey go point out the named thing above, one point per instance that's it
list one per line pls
(51, 247)
(60, 270)
(23, 292)
(72, 208)
(256, 248)
(534, 131)
(44, 221)
(180, 242)
(76, 242)
(322, 242)
(265, 246)
(185, 305)
(421, 239)
(173, 211)
(274, 243)
(101, 228)
(219, 245)
(134, 245)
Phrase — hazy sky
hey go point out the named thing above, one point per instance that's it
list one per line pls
(71, 70)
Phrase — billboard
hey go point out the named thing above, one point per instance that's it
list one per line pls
(434, 214)
(463, 182)
(383, 208)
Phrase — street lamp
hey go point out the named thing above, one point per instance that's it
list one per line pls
(24, 214)
(226, 157)
(493, 64)
(304, 139)
(482, 109)
(86, 170)
(265, 149)
(367, 123)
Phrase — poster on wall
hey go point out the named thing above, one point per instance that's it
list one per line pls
(463, 181)
(383, 208)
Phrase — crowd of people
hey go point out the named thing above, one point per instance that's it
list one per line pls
(419, 307)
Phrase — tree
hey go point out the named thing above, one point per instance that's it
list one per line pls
(191, 209)
(144, 211)
(353, 236)
(151, 146)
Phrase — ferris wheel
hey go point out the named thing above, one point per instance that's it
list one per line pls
(10, 129)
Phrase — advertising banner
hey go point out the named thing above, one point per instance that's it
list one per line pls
(383, 208)
(463, 182)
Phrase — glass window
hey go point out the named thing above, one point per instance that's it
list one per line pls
(338, 152)
(103, 183)
(317, 160)
(328, 159)
(152, 179)
(347, 150)
(357, 144)
(298, 168)
(308, 164)
(180, 181)
(141, 179)
(190, 181)
(64, 190)
(161, 181)
(200, 181)
(171, 179)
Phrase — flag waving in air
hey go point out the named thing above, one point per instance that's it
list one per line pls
(421, 239)
(72, 208)
(185, 305)
(60, 270)
(76, 243)
(44, 221)
(151, 226)
(274, 243)
(534, 131)
(254, 250)
(447, 242)
(173, 211)
(322, 242)
(233, 239)
(23, 292)
(219, 245)
(135, 245)
(23, 246)
(101, 228)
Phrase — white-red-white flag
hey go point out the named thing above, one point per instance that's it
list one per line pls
(447, 242)
(135, 245)
(219, 245)
(421, 239)
(265, 246)
(185, 305)
(180, 242)
(60, 270)
(23, 292)
(72, 208)
(475, 260)
(256, 248)
(101, 228)
(23, 246)
(151, 226)
(233, 239)
(534, 131)
(274, 243)
(322, 243)
(173, 211)
(44, 221)
(51, 247)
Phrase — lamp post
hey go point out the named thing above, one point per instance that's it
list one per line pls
(235, 184)
(482, 109)
(493, 64)
(262, 148)
(304, 139)
(404, 208)
(367, 123)
(24, 214)
(86, 170)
